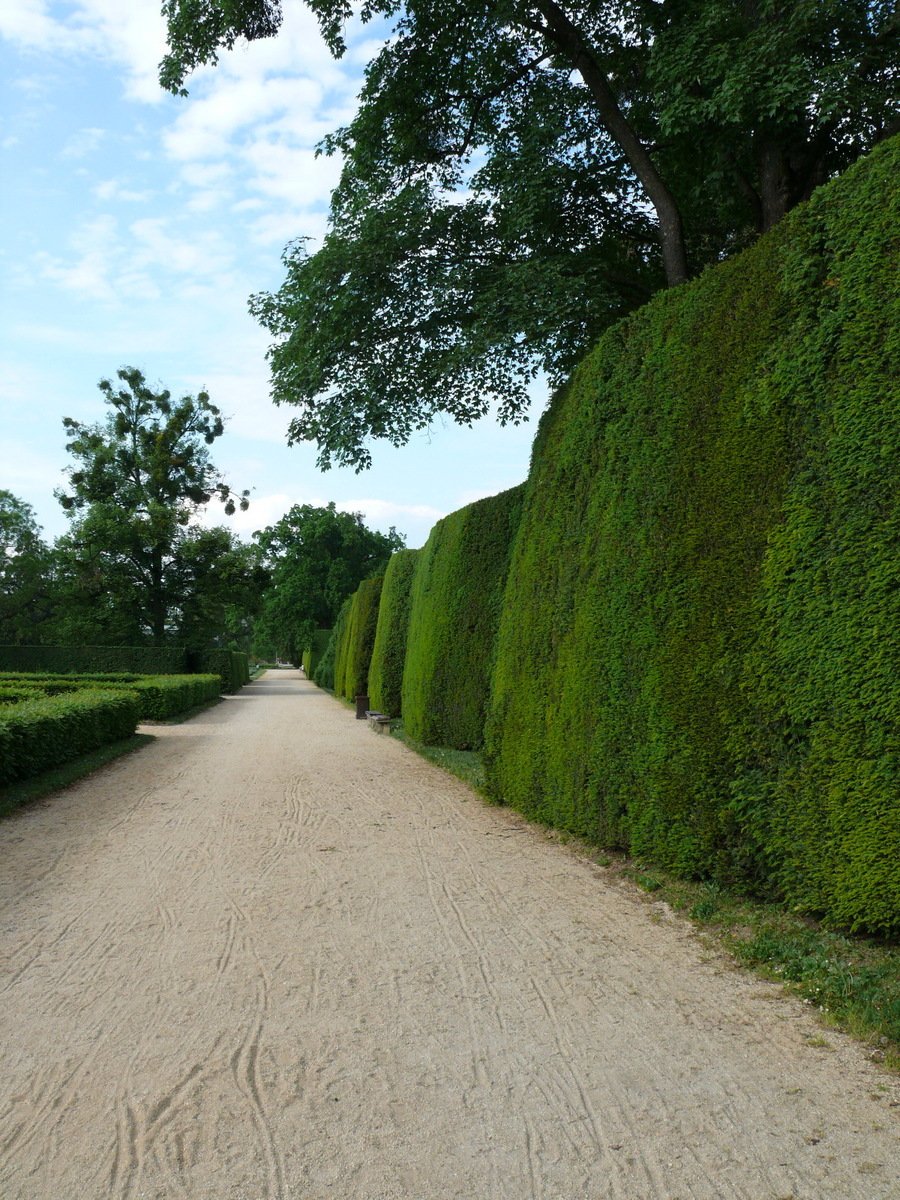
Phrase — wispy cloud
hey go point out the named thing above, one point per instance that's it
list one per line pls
(376, 513)
(132, 35)
(83, 143)
(114, 190)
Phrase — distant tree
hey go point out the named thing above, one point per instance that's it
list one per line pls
(221, 584)
(317, 558)
(520, 174)
(25, 573)
(130, 560)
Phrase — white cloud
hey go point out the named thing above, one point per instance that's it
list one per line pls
(112, 190)
(83, 143)
(376, 513)
(131, 34)
(384, 512)
(198, 256)
(96, 245)
(279, 228)
(292, 175)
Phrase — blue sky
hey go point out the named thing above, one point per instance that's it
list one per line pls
(133, 228)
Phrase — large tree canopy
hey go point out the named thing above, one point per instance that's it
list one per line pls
(141, 476)
(25, 572)
(317, 558)
(520, 173)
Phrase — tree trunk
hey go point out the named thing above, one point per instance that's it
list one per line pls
(774, 184)
(566, 36)
(157, 600)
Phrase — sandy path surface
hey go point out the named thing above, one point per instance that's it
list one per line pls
(275, 956)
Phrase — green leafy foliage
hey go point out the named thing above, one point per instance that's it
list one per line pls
(518, 176)
(457, 592)
(25, 569)
(353, 652)
(312, 655)
(694, 659)
(12, 693)
(36, 735)
(161, 696)
(96, 660)
(130, 567)
(232, 666)
(317, 558)
(324, 674)
(389, 651)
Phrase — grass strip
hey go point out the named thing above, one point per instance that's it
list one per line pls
(466, 765)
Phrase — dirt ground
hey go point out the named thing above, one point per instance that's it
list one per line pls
(275, 956)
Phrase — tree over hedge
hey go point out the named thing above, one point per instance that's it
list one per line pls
(519, 174)
(140, 478)
(25, 572)
(317, 558)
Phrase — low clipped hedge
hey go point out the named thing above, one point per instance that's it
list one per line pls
(457, 593)
(39, 734)
(160, 696)
(233, 666)
(389, 649)
(164, 696)
(353, 652)
(15, 695)
(698, 657)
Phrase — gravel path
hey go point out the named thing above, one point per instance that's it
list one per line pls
(274, 956)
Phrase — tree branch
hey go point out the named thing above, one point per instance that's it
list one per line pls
(569, 39)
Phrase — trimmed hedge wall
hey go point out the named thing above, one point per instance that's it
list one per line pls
(67, 660)
(312, 655)
(39, 734)
(457, 591)
(324, 674)
(698, 658)
(353, 652)
(233, 666)
(389, 650)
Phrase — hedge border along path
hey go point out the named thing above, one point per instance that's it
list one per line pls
(457, 592)
(389, 651)
(160, 696)
(232, 665)
(698, 657)
(324, 674)
(39, 734)
(353, 652)
(313, 653)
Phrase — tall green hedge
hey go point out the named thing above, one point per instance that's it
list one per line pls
(233, 666)
(324, 674)
(698, 658)
(457, 592)
(312, 655)
(353, 652)
(389, 650)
